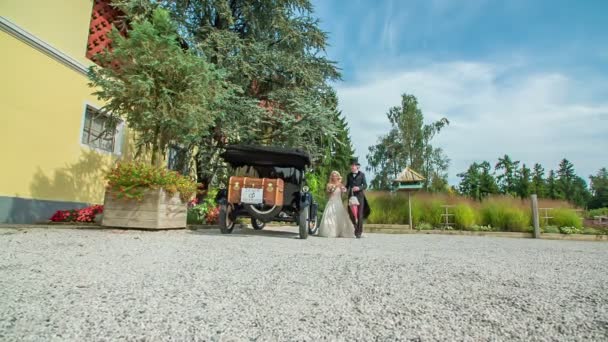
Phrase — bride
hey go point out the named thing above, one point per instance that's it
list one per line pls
(335, 221)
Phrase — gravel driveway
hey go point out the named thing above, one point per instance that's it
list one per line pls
(112, 285)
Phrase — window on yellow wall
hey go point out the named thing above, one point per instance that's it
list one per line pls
(98, 132)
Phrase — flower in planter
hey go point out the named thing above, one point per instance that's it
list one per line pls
(130, 180)
(212, 215)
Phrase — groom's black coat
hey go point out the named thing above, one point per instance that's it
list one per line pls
(358, 180)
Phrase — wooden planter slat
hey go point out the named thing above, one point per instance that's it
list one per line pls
(157, 210)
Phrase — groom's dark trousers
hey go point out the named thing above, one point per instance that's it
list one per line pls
(351, 181)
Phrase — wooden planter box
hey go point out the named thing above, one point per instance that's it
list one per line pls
(158, 210)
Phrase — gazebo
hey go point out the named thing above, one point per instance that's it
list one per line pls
(408, 181)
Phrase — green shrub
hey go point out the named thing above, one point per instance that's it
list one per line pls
(565, 218)
(516, 220)
(597, 212)
(388, 208)
(430, 212)
(203, 212)
(570, 230)
(505, 216)
(593, 231)
(464, 216)
(478, 228)
(491, 215)
(424, 226)
(551, 230)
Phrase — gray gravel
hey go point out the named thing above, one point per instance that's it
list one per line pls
(96, 285)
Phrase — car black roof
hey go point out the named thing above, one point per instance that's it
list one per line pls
(242, 155)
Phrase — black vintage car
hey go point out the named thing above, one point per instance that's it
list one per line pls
(270, 164)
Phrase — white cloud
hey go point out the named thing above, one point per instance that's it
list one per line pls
(493, 110)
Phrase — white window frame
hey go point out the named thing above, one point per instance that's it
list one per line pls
(118, 138)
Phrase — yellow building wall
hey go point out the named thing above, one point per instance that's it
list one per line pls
(64, 24)
(42, 104)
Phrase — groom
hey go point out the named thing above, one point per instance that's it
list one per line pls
(356, 185)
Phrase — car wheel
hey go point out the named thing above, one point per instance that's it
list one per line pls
(313, 225)
(257, 224)
(303, 223)
(226, 220)
(263, 213)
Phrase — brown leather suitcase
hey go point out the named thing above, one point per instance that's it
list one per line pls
(272, 194)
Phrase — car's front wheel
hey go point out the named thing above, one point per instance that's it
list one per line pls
(303, 222)
(257, 224)
(226, 220)
(263, 213)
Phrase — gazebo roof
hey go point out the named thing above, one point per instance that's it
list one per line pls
(409, 176)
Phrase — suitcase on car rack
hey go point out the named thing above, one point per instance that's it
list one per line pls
(272, 193)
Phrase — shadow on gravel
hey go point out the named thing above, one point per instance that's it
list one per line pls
(247, 232)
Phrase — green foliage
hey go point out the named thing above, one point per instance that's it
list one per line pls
(490, 214)
(507, 216)
(599, 189)
(478, 228)
(317, 189)
(570, 230)
(428, 211)
(274, 53)
(388, 208)
(538, 181)
(337, 152)
(408, 143)
(573, 188)
(130, 180)
(199, 213)
(516, 220)
(523, 182)
(551, 230)
(165, 93)
(424, 226)
(597, 212)
(565, 218)
(507, 181)
(594, 231)
(478, 182)
(553, 191)
(464, 216)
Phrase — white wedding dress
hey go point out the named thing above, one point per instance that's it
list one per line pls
(335, 221)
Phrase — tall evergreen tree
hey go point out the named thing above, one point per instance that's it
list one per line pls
(470, 182)
(274, 52)
(553, 191)
(168, 95)
(599, 189)
(538, 181)
(524, 185)
(488, 184)
(566, 176)
(507, 181)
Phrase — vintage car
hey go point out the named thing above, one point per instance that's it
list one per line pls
(267, 184)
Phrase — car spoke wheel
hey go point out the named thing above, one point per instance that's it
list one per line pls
(257, 224)
(226, 221)
(303, 222)
(313, 225)
(263, 213)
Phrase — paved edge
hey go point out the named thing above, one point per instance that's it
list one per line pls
(369, 228)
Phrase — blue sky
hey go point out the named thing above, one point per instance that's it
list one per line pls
(528, 78)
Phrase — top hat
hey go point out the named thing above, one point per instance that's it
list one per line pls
(354, 161)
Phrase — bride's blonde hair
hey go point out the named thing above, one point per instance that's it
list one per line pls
(339, 177)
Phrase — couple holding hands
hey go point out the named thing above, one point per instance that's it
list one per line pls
(337, 221)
